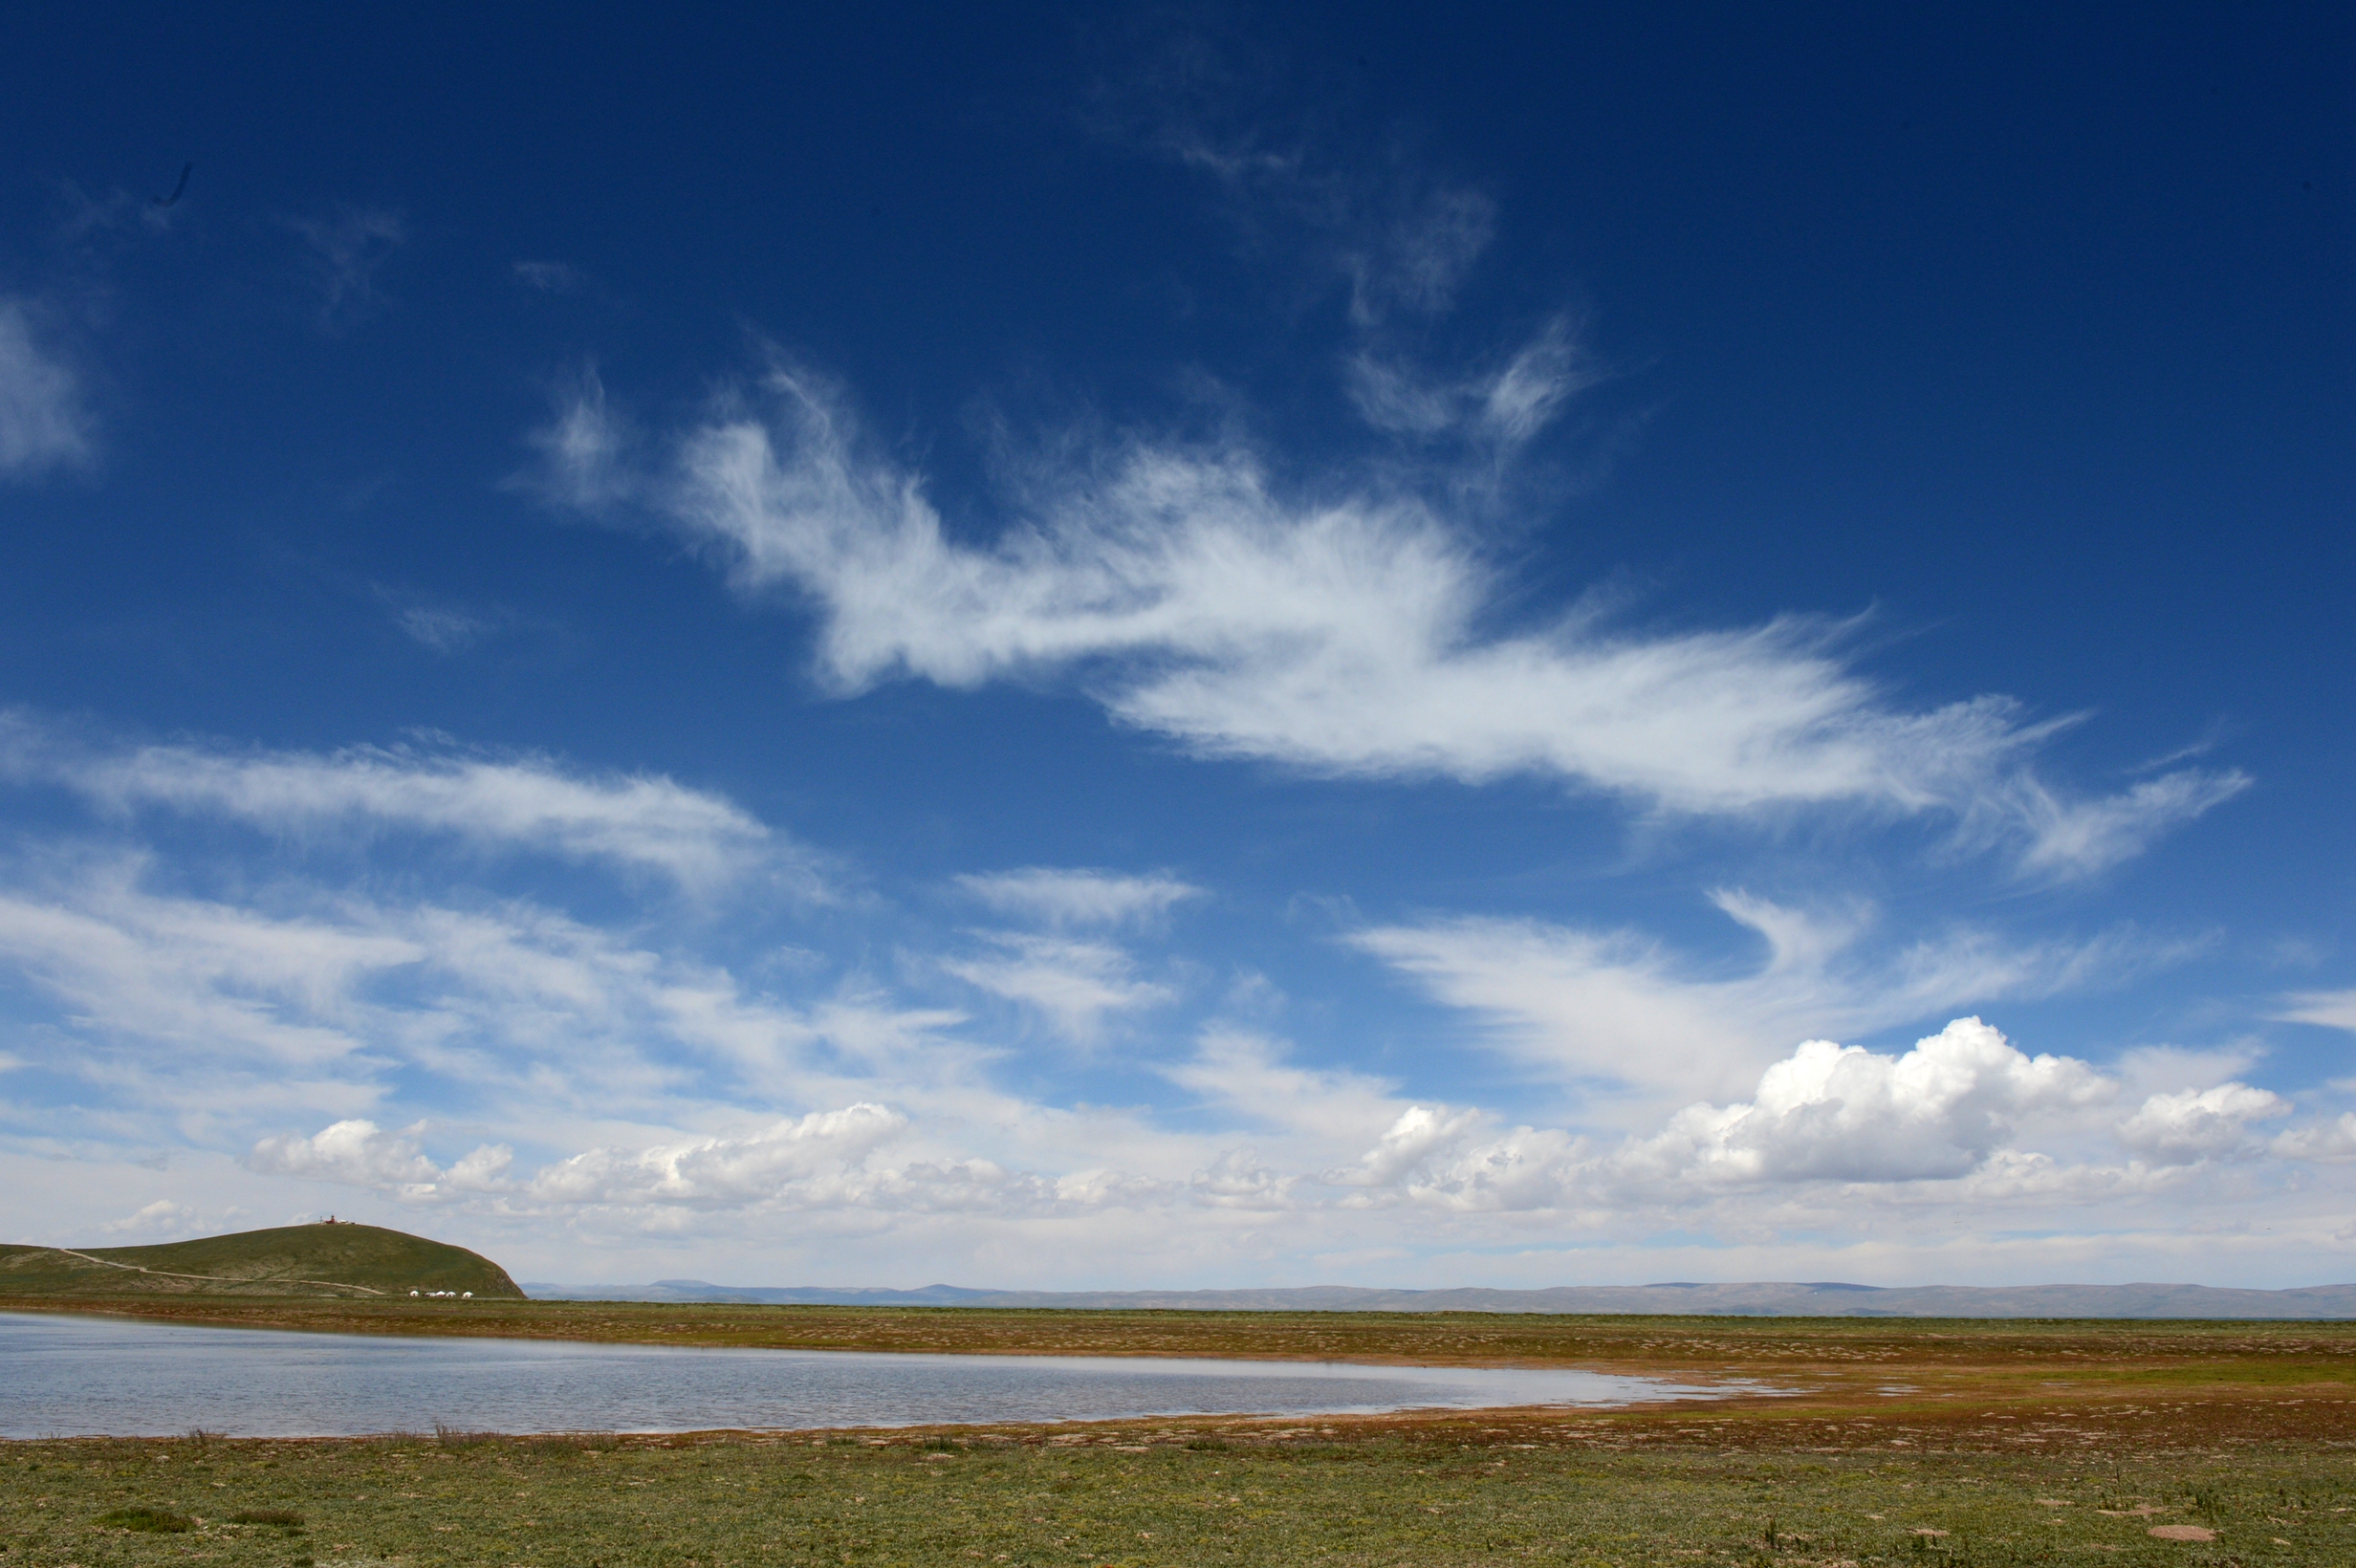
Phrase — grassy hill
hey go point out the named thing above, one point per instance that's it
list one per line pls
(336, 1260)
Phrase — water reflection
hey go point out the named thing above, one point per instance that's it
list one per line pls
(70, 1376)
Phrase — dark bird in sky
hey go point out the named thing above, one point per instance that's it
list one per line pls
(185, 169)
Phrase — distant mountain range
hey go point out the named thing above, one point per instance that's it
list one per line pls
(1814, 1299)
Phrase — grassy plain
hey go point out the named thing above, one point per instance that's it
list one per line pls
(1903, 1442)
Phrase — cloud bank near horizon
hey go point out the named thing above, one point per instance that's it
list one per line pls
(601, 1074)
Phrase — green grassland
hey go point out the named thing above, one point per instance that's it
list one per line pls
(1884, 1442)
(1684, 1487)
(326, 1261)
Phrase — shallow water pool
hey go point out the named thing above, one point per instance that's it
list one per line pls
(65, 1376)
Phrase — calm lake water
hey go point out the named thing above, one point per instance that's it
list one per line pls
(63, 1376)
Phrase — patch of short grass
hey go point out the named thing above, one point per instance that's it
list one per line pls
(152, 1521)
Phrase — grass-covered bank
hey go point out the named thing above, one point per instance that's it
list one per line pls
(1688, 1487)
(322, 1261)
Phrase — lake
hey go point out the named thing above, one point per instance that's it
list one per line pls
(72, 1376)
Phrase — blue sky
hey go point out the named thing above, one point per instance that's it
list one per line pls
(1077, 648)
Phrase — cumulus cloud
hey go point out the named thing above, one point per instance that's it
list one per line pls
(1945, 1110)
(1841, 1113)
(2192, 1124)
(1073, 984)
(45, 424)
(357, 1153)
(724, 1171)
(823, 1161)
(644, 822)
(1073, 896)
(1348, 634)
(1833, 1140)
(2327, 1142)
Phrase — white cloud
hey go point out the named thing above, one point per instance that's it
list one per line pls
(1505, 406)
(2331, 1009)
(1071, 896)
(211, 984)
(1617, 1007)
(645, 822)
(1074, 983)
(2328, 1141)
(2196, 1123)
(1946, 1110)
(1352, 633)
(357, 1153)
(210, 1015)
(823, 1161)
(1841, 1113)
(1245, 1075)
(1420, 1133)
(583, 451)
(441, 628)
(1850, 1148)
(761, 1167)
(160, 1218)
(44, 421)
(2077, 838)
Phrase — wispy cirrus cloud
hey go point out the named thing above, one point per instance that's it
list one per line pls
(1075, 985)
(647, 823)
(342, 254)
(557, 277)
(1332, 618)
(2331, 1008)
(45, 420)
(1356, 634)
(1079, 896)
(212, 1011)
